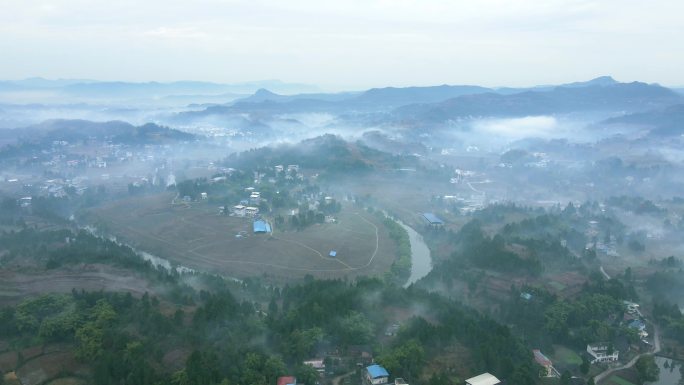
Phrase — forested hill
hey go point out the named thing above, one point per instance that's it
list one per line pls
(217, 331)
(630, 97)
(74, 131)
(328, 152)
(664, 122)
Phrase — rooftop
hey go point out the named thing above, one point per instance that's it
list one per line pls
(287, 380)
(483, 379)
(376, 371)
(433, 219)
(261, 227)
(541, 358)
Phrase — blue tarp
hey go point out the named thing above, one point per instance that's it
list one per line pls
(433, 219)
(261, 227)
(376, 371)
(333, 253)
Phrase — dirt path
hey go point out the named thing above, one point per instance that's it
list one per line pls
(607, 373)
(338, 379)
(377, 242)
(603, 271)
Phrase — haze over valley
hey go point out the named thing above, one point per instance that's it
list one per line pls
(435, 194)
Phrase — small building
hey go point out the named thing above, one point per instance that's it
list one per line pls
(483, 379)
(204, 196)
(544, 362)
(261, 227)
(376, 375)
(239, 210)
(317, 364)
(255, 198)
(293, 167)
(432, 219)
(526, 296)
(392, 330)
(400, 381)
(600, 352)
(287, 380)
(632, 308)
(251, 211)
(637, 324)
(279, 168)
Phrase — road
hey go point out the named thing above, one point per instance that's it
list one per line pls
(338, 379)
(607, 373)
(604, 273)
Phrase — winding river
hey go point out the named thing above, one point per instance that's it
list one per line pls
(421, 261)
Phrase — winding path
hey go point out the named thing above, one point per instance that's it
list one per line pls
(656, 338)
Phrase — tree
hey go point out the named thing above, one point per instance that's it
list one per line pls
(355, 329)
(306, 374)
(584, 367)
(647, 369)
(566, 378)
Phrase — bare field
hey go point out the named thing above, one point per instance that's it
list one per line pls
(15, 286)
(196, 236)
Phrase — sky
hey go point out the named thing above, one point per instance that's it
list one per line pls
(346, 44)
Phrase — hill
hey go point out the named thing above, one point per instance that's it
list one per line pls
(631, 97)
(328, 152)
(663, 122)
(83, 130)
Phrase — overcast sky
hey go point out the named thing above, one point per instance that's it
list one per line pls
(345, 44)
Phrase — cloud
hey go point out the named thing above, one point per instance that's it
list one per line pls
(518, 128)
(345, 44)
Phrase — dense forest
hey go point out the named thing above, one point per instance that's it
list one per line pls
(243, 333)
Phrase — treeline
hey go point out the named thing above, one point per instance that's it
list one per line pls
(594, 315)
(336, 313)
(401, 267)
(670, 316)
(482, 251)
(229, 341)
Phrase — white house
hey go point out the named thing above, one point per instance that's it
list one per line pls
(251, 211)
(599, 353)
(239, 210)
(483, 379)
(317, 364)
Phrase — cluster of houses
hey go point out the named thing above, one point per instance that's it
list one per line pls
(372, 375)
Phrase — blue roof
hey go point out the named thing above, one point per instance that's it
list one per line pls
(376, 371)
(433, 219)
(637, 324)
(261, 227)
(333, 253)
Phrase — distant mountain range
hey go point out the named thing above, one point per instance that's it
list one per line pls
(443, 103)
(662, 122)
(87, 90)
(83, 130)
(619, 97)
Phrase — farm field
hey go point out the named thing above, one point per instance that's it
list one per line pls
(196, 236)
(15, 286)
